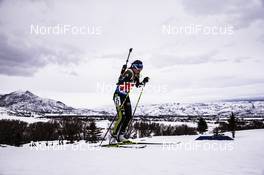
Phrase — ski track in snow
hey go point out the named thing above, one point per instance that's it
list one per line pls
(243, 156)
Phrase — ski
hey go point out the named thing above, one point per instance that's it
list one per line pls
(138, 144)
(127, 144)
(133, 146)
(158, 143)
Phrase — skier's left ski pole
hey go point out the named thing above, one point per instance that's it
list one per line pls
(131, 122)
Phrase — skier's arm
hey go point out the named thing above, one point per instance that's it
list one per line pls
(145, 80)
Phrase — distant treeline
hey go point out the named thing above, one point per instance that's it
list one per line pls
(242, 125)
(15, 132)
(146, 129)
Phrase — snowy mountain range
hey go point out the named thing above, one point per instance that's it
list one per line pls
(240, 108)
(27, 102)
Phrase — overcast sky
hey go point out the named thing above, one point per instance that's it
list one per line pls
(192, 50)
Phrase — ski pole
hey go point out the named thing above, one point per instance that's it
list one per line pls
(131, 122)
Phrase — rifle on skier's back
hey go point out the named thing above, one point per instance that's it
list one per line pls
(125, 65)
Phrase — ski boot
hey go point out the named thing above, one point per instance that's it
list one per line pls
(113, 139)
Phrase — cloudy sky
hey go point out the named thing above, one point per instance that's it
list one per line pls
(73, 50)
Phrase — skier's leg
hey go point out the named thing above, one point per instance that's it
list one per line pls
(128, 115)
(119, 100)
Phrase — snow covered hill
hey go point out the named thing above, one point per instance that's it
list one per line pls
(240, 108)
(25, 102)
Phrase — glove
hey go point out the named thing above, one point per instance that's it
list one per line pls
(145, 80)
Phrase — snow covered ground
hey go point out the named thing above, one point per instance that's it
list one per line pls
(4, 115)
(24, 119)
(243, 156)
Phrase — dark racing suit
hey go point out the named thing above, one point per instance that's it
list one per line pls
(122, 100)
